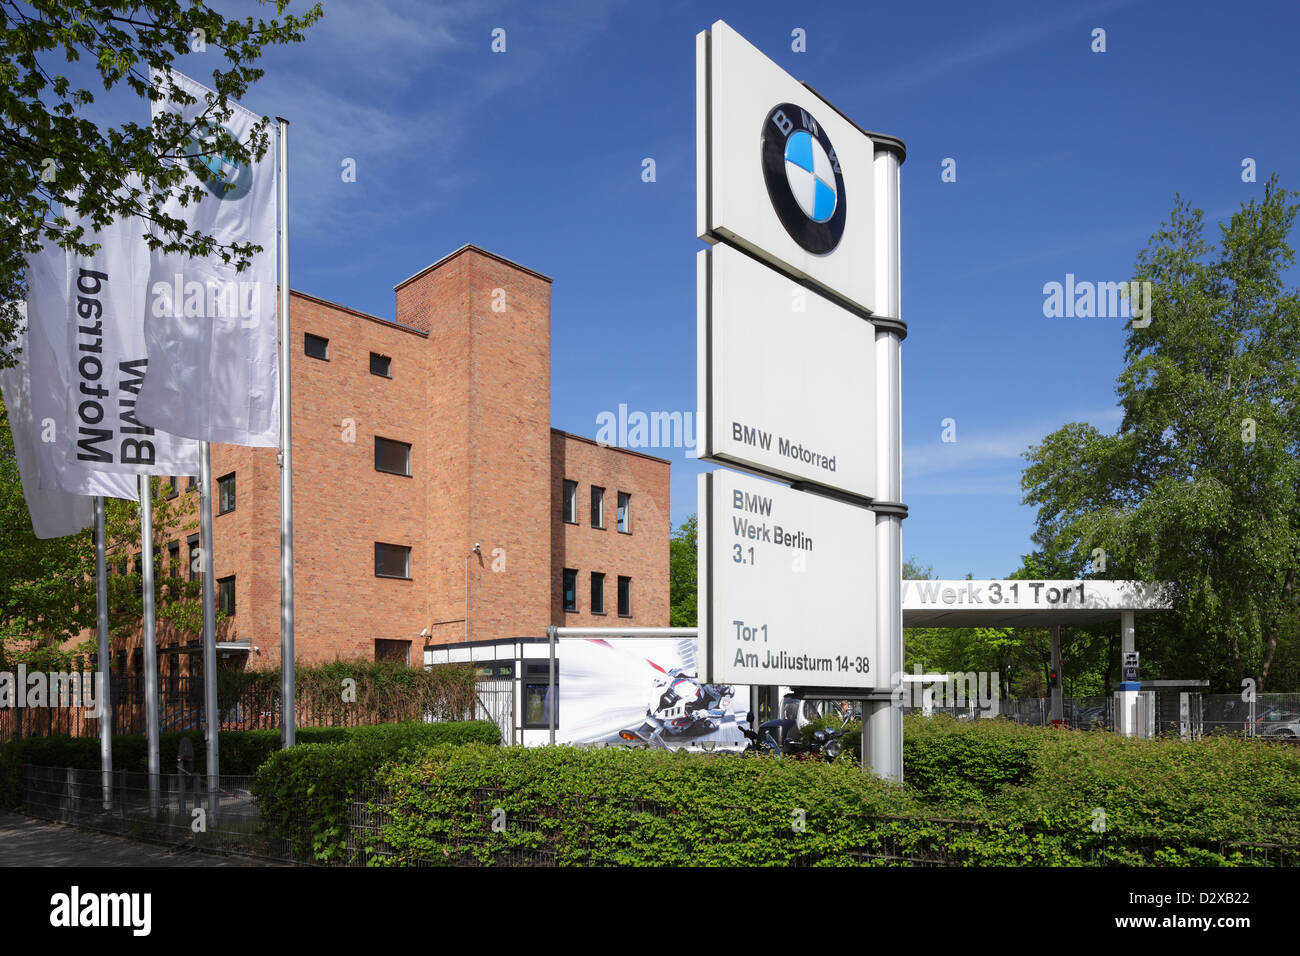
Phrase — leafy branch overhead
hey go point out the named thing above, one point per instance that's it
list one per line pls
(57, 159)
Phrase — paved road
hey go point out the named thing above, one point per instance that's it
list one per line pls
(28, 842)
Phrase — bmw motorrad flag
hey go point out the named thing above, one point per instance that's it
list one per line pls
(781, 173)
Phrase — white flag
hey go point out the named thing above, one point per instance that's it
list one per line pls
(48, 365)
(211, 331)
(87, 329)
(54, 513)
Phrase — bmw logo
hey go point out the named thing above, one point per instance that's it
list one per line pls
(803, 178)
(223, 176)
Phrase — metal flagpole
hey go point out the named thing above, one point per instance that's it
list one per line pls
(209, 625)
(103, 691)
(150, 640)
(287, 699)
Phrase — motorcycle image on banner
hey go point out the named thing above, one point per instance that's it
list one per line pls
(647, 693)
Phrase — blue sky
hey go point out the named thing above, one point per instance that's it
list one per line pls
(1067, 160)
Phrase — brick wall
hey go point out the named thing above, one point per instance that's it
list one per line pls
(470, 392)
(641, 555)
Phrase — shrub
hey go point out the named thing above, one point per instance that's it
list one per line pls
(966, 762)
(617, 806)
(304, 792)
(982, 793)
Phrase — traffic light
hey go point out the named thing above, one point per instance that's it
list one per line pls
(1054, 678)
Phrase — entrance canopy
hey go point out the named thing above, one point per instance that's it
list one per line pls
(1013, 603)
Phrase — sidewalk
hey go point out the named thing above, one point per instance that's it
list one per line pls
(28, 842)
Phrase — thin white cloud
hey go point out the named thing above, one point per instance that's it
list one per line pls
(1003, 39)
(989, 452)
(400, 87)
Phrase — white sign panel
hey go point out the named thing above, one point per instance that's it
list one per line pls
(786, 377)
(787, 586)
(1027, 603)
(780, 172)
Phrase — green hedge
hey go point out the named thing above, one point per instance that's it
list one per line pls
(304, 791)
(619, 806)
(241, 751)
(983, 792)
(966, 762)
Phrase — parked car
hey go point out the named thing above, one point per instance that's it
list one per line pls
(1289, 729)
(1280, 720)
(1091, 718)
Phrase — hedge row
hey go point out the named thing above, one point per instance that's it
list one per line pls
(985, 792)
(241, 751)
(304, 792)
(618, 807)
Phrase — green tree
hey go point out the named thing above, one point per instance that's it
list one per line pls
(683, 558)
(56, 158)
(42, 592)
(47, 587)
(1200, 485)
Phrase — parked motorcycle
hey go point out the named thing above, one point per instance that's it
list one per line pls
(778, 737)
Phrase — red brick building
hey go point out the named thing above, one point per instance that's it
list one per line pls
(413, 442)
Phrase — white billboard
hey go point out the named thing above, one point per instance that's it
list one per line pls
(787, 586)
(786, 378)
(780, 172)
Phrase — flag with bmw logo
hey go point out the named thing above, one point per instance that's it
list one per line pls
(211, 331)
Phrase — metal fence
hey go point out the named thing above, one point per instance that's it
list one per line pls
(494, 700)
(1179, 713)
(180, 707)
(182, 818)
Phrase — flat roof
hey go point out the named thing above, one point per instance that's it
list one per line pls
(1028, 603)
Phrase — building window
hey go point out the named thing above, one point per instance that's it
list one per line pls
(398, 652)
(597, 593)
(193, 483)
(570, 589)
(226, 595)
(381, 365)
(393, 457)
(315, 346)
(570, 502)
(624, 597)
(137, 568)
(624, 512)
(597, 507)
(537, 694)
(174, 559)
(173, 487)
(226, 494)
(392, 561)
(193, 542)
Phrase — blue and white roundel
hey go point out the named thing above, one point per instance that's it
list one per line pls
(811, 178)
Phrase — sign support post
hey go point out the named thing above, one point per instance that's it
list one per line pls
(882, 722)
